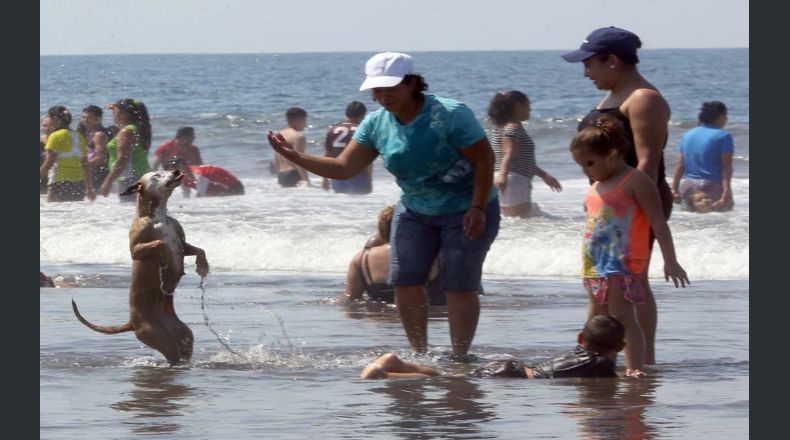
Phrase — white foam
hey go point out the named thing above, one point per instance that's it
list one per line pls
(310, 230)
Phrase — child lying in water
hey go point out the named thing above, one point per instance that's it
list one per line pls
(595, 356)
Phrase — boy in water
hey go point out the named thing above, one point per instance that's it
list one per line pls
(595, 356)
(288, 173)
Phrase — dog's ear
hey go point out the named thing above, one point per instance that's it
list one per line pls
(133, 189)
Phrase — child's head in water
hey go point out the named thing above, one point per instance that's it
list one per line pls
(599, 148)
(603, 334)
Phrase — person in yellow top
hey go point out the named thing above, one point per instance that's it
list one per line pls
(66, 161)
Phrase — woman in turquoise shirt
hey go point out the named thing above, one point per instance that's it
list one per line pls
(444, 165)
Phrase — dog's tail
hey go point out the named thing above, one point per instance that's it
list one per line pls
(99, 328)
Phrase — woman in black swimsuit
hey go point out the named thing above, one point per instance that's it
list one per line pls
(369, 269)
(610, 59)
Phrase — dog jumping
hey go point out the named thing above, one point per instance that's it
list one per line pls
(158, 246)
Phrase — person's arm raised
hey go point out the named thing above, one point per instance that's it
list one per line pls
(354, 158)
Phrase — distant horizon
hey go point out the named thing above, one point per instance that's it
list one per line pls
(365, 51)
(148, 27)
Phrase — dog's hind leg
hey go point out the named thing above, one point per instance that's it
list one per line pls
(176, 346)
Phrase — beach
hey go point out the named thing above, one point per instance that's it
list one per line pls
(276, 356)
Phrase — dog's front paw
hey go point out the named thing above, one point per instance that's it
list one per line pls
(202, 265)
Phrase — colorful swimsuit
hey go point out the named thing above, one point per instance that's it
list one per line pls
(615, 247)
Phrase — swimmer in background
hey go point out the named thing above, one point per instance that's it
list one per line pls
(337, 137)
(207, 180)
(288, 173)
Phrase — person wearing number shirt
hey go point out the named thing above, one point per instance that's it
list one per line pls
(337, 137)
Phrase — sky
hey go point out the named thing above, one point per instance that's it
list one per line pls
(265, 26)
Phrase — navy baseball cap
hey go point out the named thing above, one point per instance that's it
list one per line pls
(605, 41)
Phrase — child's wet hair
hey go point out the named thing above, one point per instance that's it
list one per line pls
(603, 333)
(502, 107)
(603, 135)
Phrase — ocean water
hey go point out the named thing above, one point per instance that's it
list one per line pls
(276, 356)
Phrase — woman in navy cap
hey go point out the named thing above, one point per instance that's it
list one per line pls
(610, 59)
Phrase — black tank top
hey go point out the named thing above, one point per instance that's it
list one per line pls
(630, 155)
(578, 362)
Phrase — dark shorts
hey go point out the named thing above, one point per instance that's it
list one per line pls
(665, 196)
(66, 191)
(416, 240)
(288, 179)
(359, 184)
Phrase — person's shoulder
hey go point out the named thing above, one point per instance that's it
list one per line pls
(639, 174)
(639, 178)
(59, 138)
(646, 98)
(60, 134)
(375, 115)
(449, 104)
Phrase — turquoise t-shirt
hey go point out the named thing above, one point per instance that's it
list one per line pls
(425, 154)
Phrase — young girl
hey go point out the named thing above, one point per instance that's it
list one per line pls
(66, 162)
(514, 154)
(97, 135)
(622, 205)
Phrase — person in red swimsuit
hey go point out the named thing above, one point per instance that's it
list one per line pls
(207, 180)
(179, 147)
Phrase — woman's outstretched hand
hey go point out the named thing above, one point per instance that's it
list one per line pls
(280, 145)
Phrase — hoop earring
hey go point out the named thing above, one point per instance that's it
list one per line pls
(612, 66)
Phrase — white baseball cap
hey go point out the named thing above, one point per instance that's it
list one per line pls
(386, 69)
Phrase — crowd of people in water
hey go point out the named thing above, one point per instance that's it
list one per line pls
(456, 183)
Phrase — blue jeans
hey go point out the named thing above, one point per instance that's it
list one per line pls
(416, 240)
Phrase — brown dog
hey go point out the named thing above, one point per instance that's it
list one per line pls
(158, 247)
